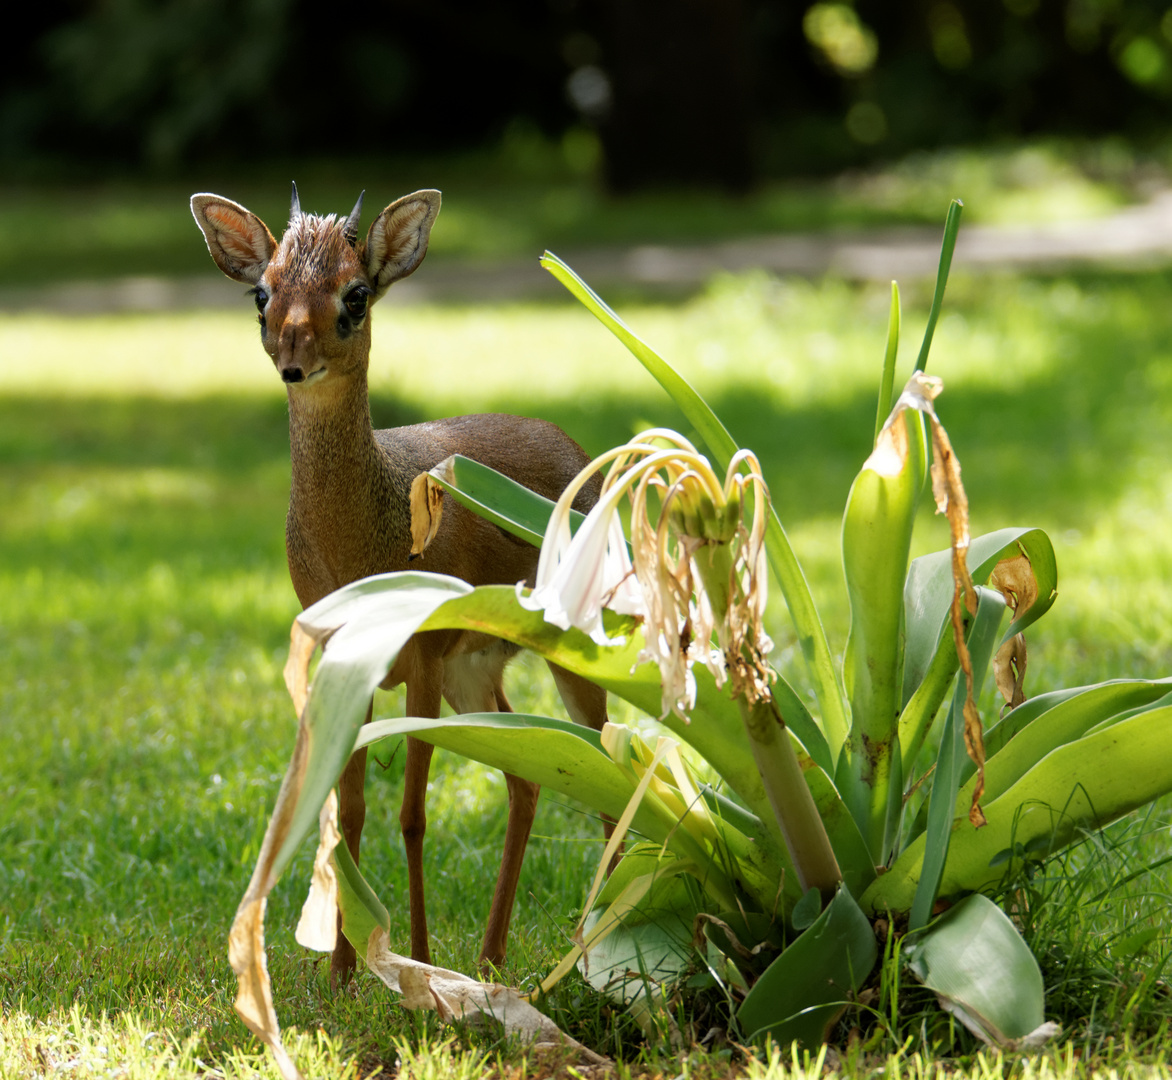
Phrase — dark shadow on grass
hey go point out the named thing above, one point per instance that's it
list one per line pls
(1057, 449)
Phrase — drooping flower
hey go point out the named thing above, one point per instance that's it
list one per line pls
(579, 575)
(696, 572)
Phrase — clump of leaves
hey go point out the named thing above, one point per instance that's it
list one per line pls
(769, 848)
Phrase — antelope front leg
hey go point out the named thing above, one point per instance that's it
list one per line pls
(413, 822)
(424, 697)
(522, 809)
(352, 815)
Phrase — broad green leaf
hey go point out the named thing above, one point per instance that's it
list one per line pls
(806, 988)
(669, 892)
(568, 758)
(557, 754)
(1056, 803)
(367, 624)
(361, 909)
(929, 587)
(715, 730)
(876, 540)
(950, 759)
(1106, 694)
(1064, 723)
(636, 959)
(982, 972)
(497, 498)
(811, 635)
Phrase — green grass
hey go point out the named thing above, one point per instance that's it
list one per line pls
(530, 194)
(145, 609)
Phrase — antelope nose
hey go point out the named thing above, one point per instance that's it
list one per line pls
(292, 374)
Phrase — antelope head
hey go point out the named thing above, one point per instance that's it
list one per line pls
(313, 289)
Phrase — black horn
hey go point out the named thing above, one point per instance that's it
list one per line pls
(350, 229)
(295, 209)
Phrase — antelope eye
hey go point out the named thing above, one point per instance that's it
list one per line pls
(261, 297)
(356, 301)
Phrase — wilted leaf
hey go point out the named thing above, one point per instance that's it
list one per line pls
(1009, 668)
(1014, 578)
(318, 926)
(952, 501)
(427, 509)
(454, 996)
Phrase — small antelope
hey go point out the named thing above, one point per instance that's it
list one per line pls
(349, 512)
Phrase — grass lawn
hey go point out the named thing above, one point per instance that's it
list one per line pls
(145, 610)
(531, 194)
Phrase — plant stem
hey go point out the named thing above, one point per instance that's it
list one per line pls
(797, 815)
(777, 762)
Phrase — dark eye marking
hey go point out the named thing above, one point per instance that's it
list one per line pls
(261, 298)
(356, 301)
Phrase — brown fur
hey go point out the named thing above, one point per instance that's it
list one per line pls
(349, 513)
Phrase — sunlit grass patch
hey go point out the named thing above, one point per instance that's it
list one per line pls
(145, 609)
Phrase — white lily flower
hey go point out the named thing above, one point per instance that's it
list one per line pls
(697, 518)
(578, 576)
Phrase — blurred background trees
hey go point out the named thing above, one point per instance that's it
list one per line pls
(694, 92)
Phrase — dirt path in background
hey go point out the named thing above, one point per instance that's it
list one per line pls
(1140, 236)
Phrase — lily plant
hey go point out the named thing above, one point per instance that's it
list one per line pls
(763, 837)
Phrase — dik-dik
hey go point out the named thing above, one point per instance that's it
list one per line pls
(349, 511)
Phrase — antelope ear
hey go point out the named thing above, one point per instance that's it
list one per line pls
(397, 240)
(239, 242)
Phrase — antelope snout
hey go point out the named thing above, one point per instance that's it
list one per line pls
(296, 352)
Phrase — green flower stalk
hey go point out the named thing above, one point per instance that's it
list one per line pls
(697, 577)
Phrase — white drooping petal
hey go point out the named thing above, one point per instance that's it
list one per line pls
(584, 574)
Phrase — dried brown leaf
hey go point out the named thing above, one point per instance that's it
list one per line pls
(318, 926)
(456, 997)
(951, 500)
(1009, 670)
(1014, 579)
(301, 646)
(246, 940)
(427, 508)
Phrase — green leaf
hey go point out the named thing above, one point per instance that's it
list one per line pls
(811, 635)
(557, 754)
(669, 893)
(1055, 804)
(807, 987)
(947, 247)
(568, 758)
(1065, 722)
(361, 909)
(1105, 699)
(367, 624)
(950, 759)
(876, 540)
(887, 381)
(982, 972)
(807, 910)
(716, 731)
(928, 592)
(498, 498)
(635, 959)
